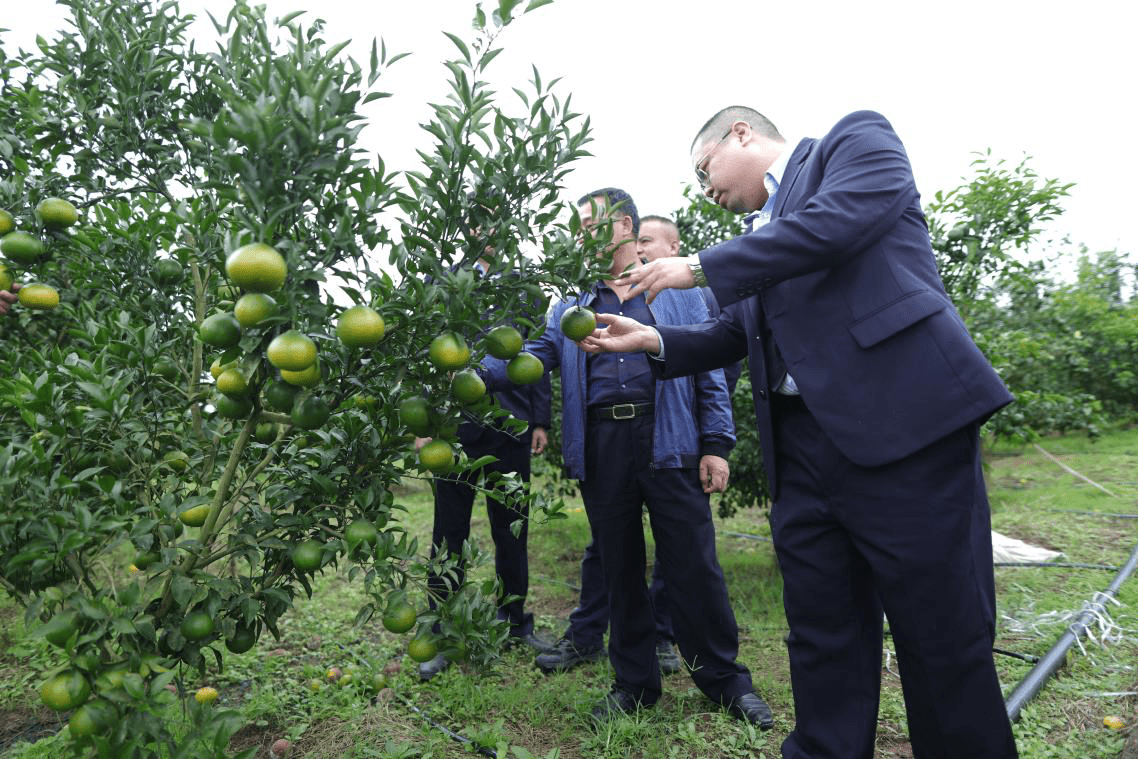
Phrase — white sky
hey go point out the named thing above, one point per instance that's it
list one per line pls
(1051, 80)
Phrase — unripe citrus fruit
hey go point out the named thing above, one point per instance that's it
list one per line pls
(243, 638)
(7, 224)
(6, 277)
(310, 412)
(167, 271)
(265, 432)
(66, 690)
(57, 213)
(280, 395)
(206, 695)
(92, 718)
(195, 516)
(1113, 722)
(145, 559)
(399, 617)
(233, 408)
(220, 330)
(197, 625)
(21, 247)
(59, 629)
(309, 377)
(307, 555)
(467, 387)
(503, 342)
(416, 414)
(361, 531)
(179, 461)
(577, 323)
(291, 351)
(422, 648)
(257, 267)
(232, 382)
(437, 456)
(253, 308)
(360, 327)
(166, 368)
(39, 297)
(524, 369)
(449, 351)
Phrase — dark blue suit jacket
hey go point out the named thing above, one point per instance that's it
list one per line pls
(845, 279)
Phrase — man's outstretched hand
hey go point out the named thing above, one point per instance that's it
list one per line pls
(620, 335)
(661, 274)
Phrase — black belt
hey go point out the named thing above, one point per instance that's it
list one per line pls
(620, 411)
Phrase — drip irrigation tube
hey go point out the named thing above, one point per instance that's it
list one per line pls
(1055, 564)
(1042, 672)
(1094, 513)
(746, 535)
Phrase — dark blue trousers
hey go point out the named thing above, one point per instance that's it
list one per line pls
(588, 622)
(911, 539)
(620, 480)
(454, 503)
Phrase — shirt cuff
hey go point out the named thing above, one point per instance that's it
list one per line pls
(657, 356)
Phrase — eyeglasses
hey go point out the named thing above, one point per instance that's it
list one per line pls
(700, 173)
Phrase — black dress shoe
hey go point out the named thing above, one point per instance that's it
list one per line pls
(564, 656)
(429, 669)
(537, 643)
(670, 662)
(615, 704)
(750, 708)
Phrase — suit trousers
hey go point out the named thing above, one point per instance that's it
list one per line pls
(913, 539)
(454, 504)
(620, 480)
(588, 622)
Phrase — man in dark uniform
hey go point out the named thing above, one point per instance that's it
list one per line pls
(633, 441)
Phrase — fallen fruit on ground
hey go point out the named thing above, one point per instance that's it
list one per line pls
(360, 327)
(206, 695)
(256, 267)
(280, 748)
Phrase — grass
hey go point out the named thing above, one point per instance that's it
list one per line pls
(512, 710)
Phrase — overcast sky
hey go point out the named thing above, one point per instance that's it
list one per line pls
(1054, 81)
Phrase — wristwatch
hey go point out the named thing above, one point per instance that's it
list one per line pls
(696, 269)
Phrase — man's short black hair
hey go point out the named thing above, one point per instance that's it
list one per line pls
(615, 200)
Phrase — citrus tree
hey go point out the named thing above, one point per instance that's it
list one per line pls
(197, 427)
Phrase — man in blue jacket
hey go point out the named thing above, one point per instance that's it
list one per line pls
(869, 394)
(631, 441)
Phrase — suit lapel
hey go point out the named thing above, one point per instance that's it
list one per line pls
(793, 169)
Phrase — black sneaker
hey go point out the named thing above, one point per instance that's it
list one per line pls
(565, 656)
(616, 704)
(429, 669)
(669, 660)
(533, 640)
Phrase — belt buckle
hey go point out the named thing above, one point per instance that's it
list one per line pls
(620, 409)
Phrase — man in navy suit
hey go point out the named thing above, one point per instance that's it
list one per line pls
(868, 393)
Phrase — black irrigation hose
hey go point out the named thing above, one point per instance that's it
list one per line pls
(1095, 513)
(483, 750)
(1029, 658)
(1041, 672)
(746, 535)
(1055, 564)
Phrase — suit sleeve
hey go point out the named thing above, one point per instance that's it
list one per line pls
(541, 400)
(866, 183)
(694, 348)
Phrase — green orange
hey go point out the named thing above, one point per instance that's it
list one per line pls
(437, 456)
(524, 369)
(577, 323)
(310, 412)
(6, 277)
(194, 516)
(422, 648)
(503, 342)
(253, 308)
(415, 413)
(233, 408)
(92, 718)
(244, 638)
(257, 267)
(399, 617)
(449, 351)
(21, 247)
(467, 387)
(57, 213)
(291, 351)
(167, 271)
(197, 625)
(7, 223)
(39, 297)
(232, 382)
(361, 531)
(59, 629)
(280, 395)
(65, 691)
(307, 555)
(221, 330)
(360, 327)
